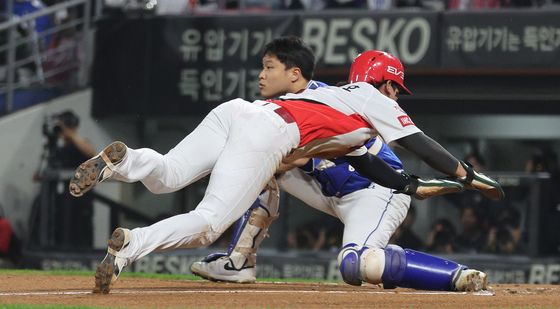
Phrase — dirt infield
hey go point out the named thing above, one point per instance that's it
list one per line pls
(152, 293)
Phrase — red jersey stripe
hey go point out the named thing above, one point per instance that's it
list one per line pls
(316, 120)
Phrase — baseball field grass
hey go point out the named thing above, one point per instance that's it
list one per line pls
(73, 289)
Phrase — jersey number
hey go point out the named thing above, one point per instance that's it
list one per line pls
(350, 87)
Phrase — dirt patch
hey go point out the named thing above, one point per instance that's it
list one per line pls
(144, 293)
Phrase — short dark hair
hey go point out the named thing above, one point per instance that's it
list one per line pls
(69, 119)
(292, 52)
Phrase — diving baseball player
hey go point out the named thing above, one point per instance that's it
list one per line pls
(371, 213)
(244, 145)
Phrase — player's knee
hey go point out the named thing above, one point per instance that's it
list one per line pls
(217, 221)
(395, 260)
(171, 176)
(358, 264)
(373, 261)
(349, 264)
(205, 235)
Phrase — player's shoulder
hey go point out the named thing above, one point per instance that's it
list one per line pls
(356, 87)
(360, 89)
(370, 91)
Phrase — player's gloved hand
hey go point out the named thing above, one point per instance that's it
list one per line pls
(422, 188)
(478, 181)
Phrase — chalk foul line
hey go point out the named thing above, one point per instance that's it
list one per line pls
(233, 291)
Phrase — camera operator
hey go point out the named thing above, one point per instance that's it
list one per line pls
(71, 147)
(64, 150)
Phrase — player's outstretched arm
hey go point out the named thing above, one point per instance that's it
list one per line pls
(440, 159)
(380, 172)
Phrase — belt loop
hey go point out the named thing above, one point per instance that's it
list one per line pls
(282, 112)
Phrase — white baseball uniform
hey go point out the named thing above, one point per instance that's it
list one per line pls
(242, 145)
(370, 212)
(356, 100)
(370, 215)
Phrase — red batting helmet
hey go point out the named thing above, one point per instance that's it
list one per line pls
(375, 67)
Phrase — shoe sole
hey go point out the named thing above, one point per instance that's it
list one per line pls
(89, 173)
(476, 282)
(105, 274)
(234, 279)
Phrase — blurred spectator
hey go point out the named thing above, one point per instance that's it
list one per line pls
(349, 4)
(441, 237)
(313, 5)
(65, 55)
(404, 236)
(520, 3)
(25, 50)
(475, 159)
(252, 5)
(505, 233)
(118, 7)
(474, 229)
(66, 149)
(10, 245)
(23, 73)
(474, 215)
(322, 234)
(463, 5)
(501, 241)
(32, 38)
(417, 4)
(505, 243)
(77, 214)
(71, 149)
(474, 209)
(40, 24)
(544, 159)
(383, 5)
(510, 218)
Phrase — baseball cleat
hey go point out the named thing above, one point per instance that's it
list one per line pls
(110, 268)
(436, 187)
(471, 280)
(97, 169)
(222, 269)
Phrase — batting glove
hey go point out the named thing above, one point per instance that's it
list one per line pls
(478, 181)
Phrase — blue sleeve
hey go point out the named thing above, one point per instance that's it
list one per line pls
(342, 178)
(313, 84)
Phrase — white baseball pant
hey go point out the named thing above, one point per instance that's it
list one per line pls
(370, 215)
(240, 143)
